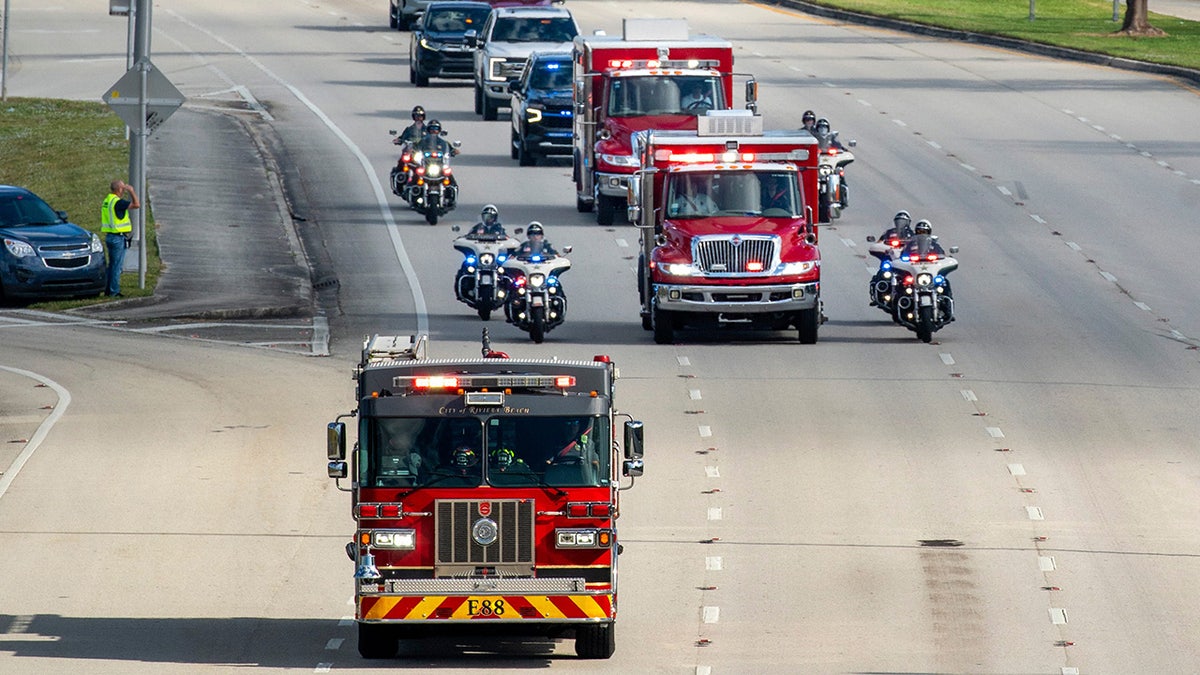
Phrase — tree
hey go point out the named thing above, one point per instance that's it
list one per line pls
(1136, 22)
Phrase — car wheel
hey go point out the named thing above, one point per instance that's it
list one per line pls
(524, 156)
(512, 144)
(478, 100)
(489, 109)
(421, 80)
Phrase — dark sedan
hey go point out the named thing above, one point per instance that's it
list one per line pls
(43, 255)
(437, 48)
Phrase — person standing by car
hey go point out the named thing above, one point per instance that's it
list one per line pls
(114, 223)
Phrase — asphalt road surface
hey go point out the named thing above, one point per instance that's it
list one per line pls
(1021, 496)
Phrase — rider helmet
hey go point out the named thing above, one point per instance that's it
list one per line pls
(490, 214)
(504, 458)
(465, 457)
(923, 227)
(434, 127)
(901, 219)
(418, 112)
(535, 228)
(809, 117)
(822, 126)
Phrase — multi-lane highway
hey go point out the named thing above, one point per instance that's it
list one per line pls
(1023, 495)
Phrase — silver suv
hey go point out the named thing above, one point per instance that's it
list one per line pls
(505, 42)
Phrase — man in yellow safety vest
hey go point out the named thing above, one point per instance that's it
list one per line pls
(114, 223)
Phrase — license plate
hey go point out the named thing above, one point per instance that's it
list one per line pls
(485, 280)
(538, 301)
(925, 301)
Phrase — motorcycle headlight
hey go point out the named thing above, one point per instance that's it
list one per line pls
(18, 248)
(486, 259)
(433, 170)
(97, 246)
(824, 170)
(537, 279)
(621, 160)
(792, 268)
(924, 279)
(678, 269)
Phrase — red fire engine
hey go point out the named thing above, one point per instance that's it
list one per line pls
(654, 76)
(728, 236)
(485, 493)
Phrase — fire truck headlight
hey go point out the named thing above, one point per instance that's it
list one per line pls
(677, 269)
(620, 160)
(405, 540)
(582, 538)
(796, 268)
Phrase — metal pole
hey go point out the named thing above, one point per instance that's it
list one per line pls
(1116, 9)
(137, 142)
(129, 55)
(1032, 4)
(4, 58)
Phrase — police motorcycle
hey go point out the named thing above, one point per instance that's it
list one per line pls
(924, 303)
(883, 285)
(536, 301)
(433, 190)
(403, 174)
(834, 157)
(481, 282)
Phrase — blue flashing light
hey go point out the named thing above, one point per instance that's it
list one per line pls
(939, 280)
(470, 260)
(552, 66)
(536, 258)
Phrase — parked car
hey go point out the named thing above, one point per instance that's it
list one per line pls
(508, 37)
(43, 255)
(541, 108)
(438, 49)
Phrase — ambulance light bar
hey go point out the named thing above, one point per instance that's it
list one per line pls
(640, 64)
(477, 382)
(727, 156)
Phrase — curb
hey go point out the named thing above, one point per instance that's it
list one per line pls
(1065, 53)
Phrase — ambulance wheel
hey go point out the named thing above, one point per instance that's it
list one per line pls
(596, 640)
(376, 641)
(807, 323)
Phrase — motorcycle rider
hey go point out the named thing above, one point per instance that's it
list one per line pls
(923, 240)
(827, 138)
(808, 120)
(415, 131)
(489, 223)
(900, 231)
(535, 242)
(433, 141)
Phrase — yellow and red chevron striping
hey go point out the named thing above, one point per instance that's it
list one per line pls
(485, 607)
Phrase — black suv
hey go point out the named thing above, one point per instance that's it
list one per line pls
(437, 47)
(541, 108)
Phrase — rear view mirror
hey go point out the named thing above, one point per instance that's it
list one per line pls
(335, 440)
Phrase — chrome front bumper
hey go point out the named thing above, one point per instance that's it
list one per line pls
(737, 299)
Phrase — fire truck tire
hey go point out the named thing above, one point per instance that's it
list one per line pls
(662, 325)
(582, 205)
(807, 323)
(596, 641)
(606, 209)
(377, 642)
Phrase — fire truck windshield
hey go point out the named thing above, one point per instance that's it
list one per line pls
(703, 194)
(501, 451)
(663, 95)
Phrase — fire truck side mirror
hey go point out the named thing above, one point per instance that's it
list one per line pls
(633, 440)
(335, 439)
(338, 469)
(752, 95)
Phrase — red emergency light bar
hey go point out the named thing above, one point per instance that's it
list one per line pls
(691, 64)
(463, 382)
(696, 157)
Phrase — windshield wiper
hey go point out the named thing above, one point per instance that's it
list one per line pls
(440, 476)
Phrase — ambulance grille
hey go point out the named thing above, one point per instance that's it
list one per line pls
(514, 524)
(732, 255)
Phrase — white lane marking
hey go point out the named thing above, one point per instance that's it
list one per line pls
(346, 621)
(1143, 153)
(334, 643)
(712, 471)
(713, 563)
(1016, 469)
(934, 145)
(714, 513)
(622, 243)
(1046, 563)
(899, 123)
(712, 614)
(323, 668)
(1196, 181)
(848, 243)
(946, 358)
(1108, 277)
(1058, 616)
(968, 167)
(694, 394)
(703, 670)
(1073, 246)
(968, 395)
(1179, 173)
(1097, 127)
(1034, 513)
(1070, 670)
(1178, 335)
(1162, 164)
(1083, 119)
(1142, 306)
(1114, 137)
(866, 103)
(758, 54)
(995, 432)
(381, 201)
(1004, 191)
(705, 431)
(60, 407)
(796, 68)
(320, 339)
(1037, 218)
(683, 360)
(1069, 112)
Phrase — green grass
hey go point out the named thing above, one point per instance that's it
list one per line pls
(1078, 24)
(68, 152)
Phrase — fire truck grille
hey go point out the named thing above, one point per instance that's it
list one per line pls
(456, 545)
(737, 255)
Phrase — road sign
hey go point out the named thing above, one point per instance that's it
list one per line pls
(162, 98)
